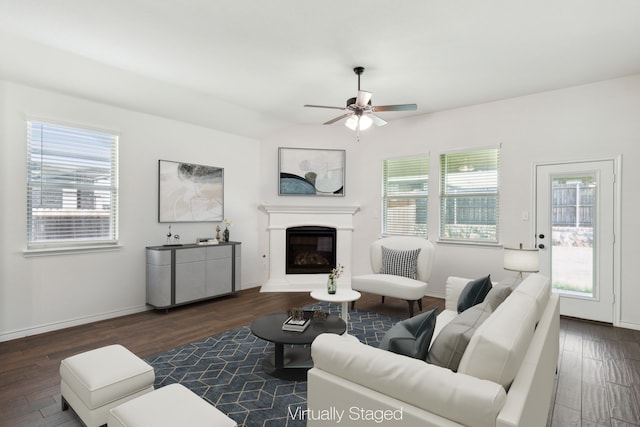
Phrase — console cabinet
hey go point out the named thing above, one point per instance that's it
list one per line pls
(182, 274)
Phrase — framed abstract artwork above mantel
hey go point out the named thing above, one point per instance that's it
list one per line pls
(190, 193)
(311, 172)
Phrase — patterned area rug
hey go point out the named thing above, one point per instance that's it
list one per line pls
(226, 370)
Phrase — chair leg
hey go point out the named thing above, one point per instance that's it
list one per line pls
(353, 304)
(410, 308)
(383, 299)
(420, 304)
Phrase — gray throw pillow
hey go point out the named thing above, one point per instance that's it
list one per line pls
(450, 344)
(474, 293)
(400, 263)
(411, 337)
(497, 295)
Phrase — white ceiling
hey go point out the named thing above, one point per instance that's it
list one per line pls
(249, 66)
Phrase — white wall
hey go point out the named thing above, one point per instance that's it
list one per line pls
(49, 292)
(580, 123)
(43, 293)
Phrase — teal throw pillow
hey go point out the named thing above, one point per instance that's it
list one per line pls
(474, 293)
(411, 337)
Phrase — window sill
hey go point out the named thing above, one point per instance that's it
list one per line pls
(463, 243)
(70, 250)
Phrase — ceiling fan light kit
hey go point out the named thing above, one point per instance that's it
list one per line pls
(359, 111)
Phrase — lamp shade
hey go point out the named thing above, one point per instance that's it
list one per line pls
(352, 122)
(522, 260)
(365, 122)
(356, 122)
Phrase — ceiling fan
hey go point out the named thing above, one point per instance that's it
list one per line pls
(360, 111)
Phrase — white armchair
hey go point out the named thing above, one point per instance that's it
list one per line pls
(410, 288)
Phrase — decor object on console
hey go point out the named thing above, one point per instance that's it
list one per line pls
(505, 377)
(402, 249)
(521, 260)
(311, 172)
(172, 239)
(190, 193)
(225, 233)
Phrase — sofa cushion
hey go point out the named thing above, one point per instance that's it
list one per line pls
(474, 293)
(399, 262)
(499, 345)
(449, 346)
(411, 337)
(538, 287)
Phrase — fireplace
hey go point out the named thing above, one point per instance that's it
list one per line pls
(310, 250)
(282, 217)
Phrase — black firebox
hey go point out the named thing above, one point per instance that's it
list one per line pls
(310, 250)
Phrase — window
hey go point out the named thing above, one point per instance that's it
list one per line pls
(469, 201)
(72, 190)
(405, 184)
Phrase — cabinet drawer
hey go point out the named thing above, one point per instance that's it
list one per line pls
(158, 257)
(219, 252)
(190, 255)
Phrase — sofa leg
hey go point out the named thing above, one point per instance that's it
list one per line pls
(410, 308)
(65, 405)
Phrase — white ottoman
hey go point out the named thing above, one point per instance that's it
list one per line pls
(169, 406)
(98, 380)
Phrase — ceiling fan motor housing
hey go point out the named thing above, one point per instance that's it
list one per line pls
(352, 101)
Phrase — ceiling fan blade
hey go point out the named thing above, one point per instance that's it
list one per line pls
(337, 118)
(363, 98)
(324, 106)
(401, 107)
(377, 120)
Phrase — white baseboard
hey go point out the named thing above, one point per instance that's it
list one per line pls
(54, 326)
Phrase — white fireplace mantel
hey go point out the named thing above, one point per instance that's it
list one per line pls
(283, 216)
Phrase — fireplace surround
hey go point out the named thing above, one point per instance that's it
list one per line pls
(282, 217)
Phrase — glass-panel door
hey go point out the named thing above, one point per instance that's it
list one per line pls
(575, 235)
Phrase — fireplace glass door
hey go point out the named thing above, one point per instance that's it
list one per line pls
(310, 250)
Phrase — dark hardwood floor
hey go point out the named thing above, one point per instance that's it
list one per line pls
(598, 382)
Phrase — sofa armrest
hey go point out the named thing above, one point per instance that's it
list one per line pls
(454, 287)
(429, 387)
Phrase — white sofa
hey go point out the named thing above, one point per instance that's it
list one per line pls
(505, 376)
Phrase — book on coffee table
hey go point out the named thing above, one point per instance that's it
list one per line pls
(295, 325)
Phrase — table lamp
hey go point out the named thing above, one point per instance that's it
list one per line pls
(521, 260)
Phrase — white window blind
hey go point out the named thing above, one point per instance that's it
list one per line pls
(405, 185)
(72, 186)
(469, 199)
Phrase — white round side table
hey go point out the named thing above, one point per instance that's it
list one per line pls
(343, 296)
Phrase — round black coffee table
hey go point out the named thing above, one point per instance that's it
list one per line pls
(292, 363)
